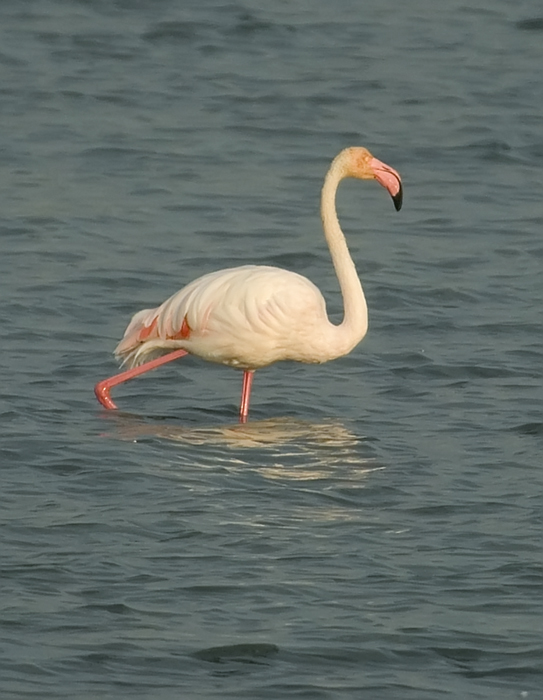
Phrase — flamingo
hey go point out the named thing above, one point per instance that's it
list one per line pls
(251, 316)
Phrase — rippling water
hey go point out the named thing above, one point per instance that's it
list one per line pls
(375, 530)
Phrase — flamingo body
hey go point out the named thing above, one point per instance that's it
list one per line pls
(251, 316)
(246, 317)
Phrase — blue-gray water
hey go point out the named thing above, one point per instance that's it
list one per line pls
(374, 531)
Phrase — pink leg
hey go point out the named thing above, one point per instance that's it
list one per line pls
(245, 395)
(103, 388)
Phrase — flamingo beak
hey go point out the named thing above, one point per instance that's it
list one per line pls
(389, 179)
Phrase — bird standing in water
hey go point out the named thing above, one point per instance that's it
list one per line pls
(251, 316)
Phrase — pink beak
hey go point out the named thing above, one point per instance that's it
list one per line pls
(390, 180)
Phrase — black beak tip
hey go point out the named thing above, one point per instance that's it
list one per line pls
(398, 199)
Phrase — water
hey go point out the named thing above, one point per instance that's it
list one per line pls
(375, 530)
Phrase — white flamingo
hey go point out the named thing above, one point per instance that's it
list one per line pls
(251, 316)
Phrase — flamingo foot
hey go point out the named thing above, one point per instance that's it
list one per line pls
(103, 388)
(101, 391)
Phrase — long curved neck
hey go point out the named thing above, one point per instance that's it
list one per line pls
(355, 319)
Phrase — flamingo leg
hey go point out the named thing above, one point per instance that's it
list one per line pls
(103, 388)
(245, 395)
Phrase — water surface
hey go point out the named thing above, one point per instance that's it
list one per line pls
(375, 530)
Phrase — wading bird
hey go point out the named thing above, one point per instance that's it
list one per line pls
(251, 316)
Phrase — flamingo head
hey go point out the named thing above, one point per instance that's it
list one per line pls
(358, 162)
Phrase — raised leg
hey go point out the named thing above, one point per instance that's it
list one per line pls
(245, 395)
(103, 388)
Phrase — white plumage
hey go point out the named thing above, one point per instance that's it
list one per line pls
(246, 317)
